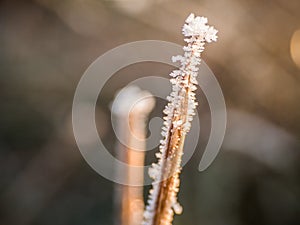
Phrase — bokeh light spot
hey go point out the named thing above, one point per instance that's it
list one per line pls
(295, 47)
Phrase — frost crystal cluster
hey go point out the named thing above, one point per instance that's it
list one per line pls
(162, 202)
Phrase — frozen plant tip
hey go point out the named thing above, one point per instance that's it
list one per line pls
(179, 112)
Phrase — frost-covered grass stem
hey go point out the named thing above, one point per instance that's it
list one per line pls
(179, 112)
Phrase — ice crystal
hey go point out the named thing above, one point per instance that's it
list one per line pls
(179, 112)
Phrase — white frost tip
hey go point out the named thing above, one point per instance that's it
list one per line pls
(132, 98)
(197, 26)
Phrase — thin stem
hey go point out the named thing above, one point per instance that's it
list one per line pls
(162, 202)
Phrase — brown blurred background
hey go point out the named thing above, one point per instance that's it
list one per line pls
(45, 46)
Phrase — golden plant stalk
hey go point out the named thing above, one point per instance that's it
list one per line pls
(131, 111)
(162, 202)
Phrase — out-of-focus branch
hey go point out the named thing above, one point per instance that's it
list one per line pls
(131, 111)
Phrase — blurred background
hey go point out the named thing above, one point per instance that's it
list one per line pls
(45, 47)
